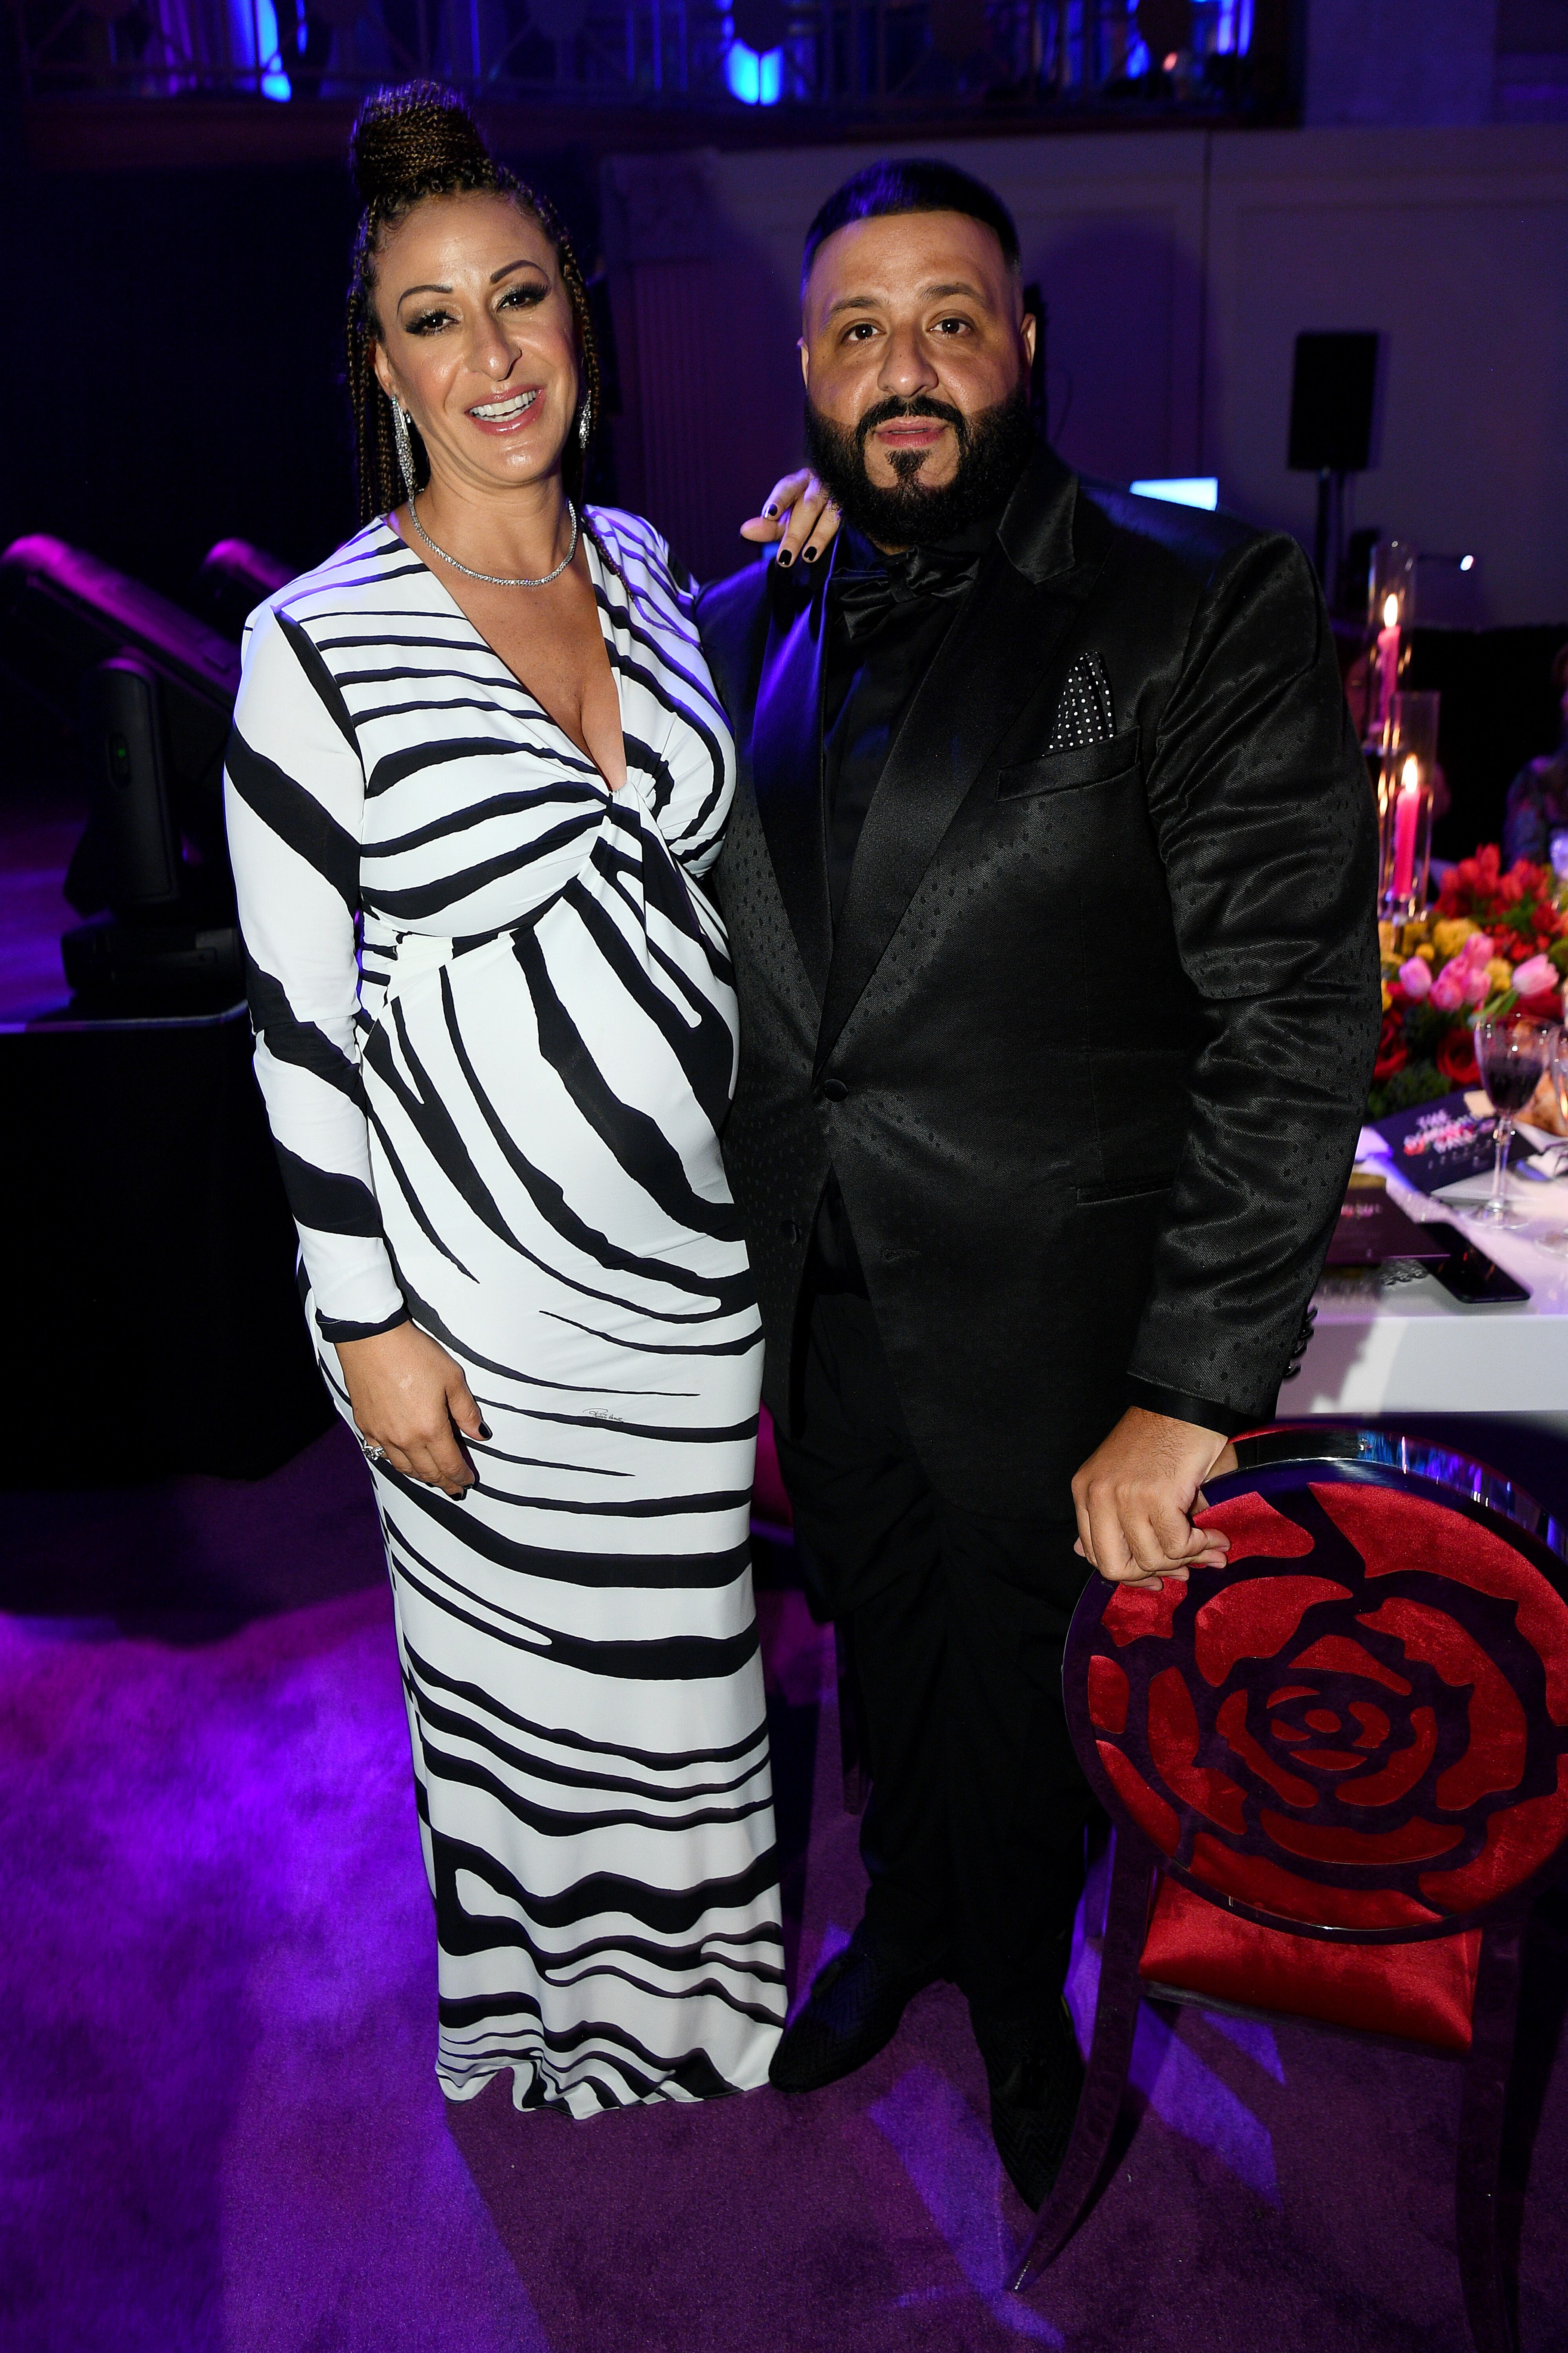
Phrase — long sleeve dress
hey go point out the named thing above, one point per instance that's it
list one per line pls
(496, 1035)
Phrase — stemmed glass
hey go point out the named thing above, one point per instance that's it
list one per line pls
(1514, 1055)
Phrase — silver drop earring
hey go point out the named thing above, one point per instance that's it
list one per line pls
(585, 422)
(404, 446)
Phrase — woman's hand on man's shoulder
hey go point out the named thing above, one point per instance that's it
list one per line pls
(798, 514)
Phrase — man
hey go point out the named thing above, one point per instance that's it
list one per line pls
(1050, 887)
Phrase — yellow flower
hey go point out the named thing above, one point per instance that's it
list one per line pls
(1450, 936)
(1426, 950)
(1387, 942)
(1412, 936)
(1499, 972)
(1387, 996)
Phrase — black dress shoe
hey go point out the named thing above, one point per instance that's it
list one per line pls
(1036, 2076)
(851, 2012)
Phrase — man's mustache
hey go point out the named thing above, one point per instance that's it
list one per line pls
(920, 404)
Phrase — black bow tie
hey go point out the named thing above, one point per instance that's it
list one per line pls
(864, 599)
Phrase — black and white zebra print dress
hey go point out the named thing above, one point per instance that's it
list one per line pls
(501, 1118)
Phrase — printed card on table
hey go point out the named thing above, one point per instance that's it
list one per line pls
(1439, 1143)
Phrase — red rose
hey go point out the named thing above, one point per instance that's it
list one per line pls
(1393, 1053)
(1455, 1056)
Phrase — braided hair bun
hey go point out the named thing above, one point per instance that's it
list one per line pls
(418, 140)
(408, 144)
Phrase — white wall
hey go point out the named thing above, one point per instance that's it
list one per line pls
(1400, 60)
(1455, 245)
(1178, 267)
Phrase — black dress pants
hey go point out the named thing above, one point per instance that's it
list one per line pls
(973, 1836)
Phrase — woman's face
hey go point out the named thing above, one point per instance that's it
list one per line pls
(478, 339)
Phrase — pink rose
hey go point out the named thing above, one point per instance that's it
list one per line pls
(1477, 985)
(1534, 978)
(1448, 988)
(1415, 978)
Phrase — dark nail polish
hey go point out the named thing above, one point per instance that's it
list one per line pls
(770, 512)
(810, 555)
(485, 1429)
(784, 559)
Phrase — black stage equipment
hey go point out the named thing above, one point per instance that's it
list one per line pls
(156, 1277)
(152, 690)
(234, 579)
(1332, 391)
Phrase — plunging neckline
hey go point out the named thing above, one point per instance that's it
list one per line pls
(602, 613)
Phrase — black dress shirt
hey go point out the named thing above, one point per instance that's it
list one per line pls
(888, 615)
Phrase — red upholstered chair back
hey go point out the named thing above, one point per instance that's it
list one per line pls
(1353, 1738)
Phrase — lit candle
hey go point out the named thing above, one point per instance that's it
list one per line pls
(1387, 658)
(1406, 814)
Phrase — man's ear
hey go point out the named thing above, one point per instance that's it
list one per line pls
(1030, 330)
(805, 351)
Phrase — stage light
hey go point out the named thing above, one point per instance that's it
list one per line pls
(755, 80)
(1180, 490)
(1467, 562)
(275, 82)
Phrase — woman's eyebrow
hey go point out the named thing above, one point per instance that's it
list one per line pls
(525, 262)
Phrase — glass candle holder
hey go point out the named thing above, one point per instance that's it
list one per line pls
(1391, 611)
(1405, 789)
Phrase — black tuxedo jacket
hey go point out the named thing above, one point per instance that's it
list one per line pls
(1089, 1051)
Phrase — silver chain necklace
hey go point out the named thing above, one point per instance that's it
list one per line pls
(495, 579)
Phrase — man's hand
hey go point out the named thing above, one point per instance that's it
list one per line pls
(1136, 1494)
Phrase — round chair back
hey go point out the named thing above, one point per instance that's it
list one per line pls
(1358, 1730)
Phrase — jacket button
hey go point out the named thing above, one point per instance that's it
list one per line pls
(789, 1230)
(832, 1091)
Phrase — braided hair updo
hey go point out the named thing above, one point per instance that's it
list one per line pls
(407, 144)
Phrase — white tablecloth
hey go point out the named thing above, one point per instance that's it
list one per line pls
(1413, 1348)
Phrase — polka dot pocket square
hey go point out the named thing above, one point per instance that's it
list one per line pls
(1084, 715)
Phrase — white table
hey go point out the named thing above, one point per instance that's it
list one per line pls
(1413, 1348)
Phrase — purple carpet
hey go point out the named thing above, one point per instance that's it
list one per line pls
(222, 2129)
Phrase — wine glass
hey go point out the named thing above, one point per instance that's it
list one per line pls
(1513, 1055)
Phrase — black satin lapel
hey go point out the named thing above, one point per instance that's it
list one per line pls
(992, 661)
(787, 774)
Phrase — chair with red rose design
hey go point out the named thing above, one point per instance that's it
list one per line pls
(1338, 1773)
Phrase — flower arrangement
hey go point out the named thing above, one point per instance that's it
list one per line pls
(1494, 944)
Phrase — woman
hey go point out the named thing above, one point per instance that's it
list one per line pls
(483, 735)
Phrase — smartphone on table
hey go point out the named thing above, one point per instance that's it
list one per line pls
(1469, 1275)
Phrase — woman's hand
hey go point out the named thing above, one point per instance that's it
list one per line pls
(409, 1396)
(800, 515)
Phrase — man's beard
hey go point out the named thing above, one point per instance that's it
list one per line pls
(993, 449)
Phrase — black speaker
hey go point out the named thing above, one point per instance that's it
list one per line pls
(1331, 394)
(131, 799)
